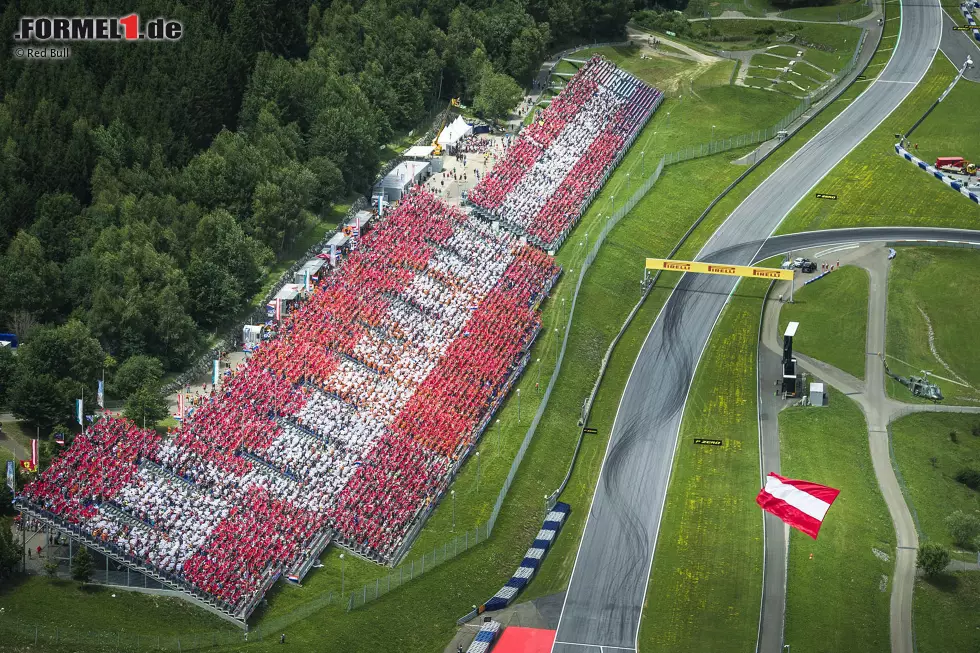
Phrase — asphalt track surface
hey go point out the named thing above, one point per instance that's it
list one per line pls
(606, 592)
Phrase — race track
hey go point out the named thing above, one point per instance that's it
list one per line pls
(606, 591)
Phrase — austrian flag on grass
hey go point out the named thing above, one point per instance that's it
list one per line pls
(801, 504)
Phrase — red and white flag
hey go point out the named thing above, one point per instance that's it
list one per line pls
(180, 405)
(34, 456)
(801, 504)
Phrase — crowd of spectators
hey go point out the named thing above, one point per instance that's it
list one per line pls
(559, 161)
(349, 422)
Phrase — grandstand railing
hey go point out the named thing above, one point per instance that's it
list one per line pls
(449, 550)
(84, 538)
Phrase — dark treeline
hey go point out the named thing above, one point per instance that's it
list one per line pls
(145, 188)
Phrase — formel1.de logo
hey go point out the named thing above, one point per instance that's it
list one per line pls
(97, 28)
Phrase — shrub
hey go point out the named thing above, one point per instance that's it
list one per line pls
(952, 437)
(964, 528)
(932, 558)
(969, 477)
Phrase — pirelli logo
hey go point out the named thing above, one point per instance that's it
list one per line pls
(717, 268)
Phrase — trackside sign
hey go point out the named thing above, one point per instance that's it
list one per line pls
(718, 268)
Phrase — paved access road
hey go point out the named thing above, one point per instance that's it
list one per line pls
(609, 581)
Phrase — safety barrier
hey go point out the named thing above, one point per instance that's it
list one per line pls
(966, 9)
(952, 182)
(553, 522)
(484, 637)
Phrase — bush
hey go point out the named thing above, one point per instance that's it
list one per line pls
(952, 437)
(976, 430)
(964, 528)
(51, 568)
(932, 558)
(81, 569)
(969, 477)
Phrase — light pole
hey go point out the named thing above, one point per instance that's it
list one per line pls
(477, 471)
(341, 574)
(668, 118)
(452, 493)
(518, 405)
(562, 322)
(712, 133)
(556, 347)
(628, 183)
(497, 440)
(537, 384)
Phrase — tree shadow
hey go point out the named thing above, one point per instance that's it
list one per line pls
(945, 582)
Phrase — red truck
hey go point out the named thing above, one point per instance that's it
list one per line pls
(955, 164)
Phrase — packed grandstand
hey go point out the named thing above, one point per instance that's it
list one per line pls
(350, 424)
(560, 161)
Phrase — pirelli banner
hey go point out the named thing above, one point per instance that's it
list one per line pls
(718, 268)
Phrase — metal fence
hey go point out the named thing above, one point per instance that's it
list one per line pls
(379, 587)
(418, 566)
(762, 135)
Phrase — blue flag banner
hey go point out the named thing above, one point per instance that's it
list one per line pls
(214, 374)
(79, 412)
(10, 476)
(101, 395)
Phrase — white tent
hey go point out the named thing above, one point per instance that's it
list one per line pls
(452, 133)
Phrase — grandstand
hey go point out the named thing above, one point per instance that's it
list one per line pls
(348, 426)
(559, 162)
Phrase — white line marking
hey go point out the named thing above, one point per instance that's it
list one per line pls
(838, 248)
(636, 361)
(897, 81)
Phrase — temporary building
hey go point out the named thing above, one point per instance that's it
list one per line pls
(453, 132)
(397, 182)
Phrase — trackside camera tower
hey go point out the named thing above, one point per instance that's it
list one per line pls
(790, 386)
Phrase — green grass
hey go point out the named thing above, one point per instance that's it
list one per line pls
(764, 73)
(953, 128)
(940, 281)
(750, 34)
(945, 612)
(685, 188)
(768, 60)
(785, 50)
(719, 74)
(68, 606)
(843, 11)
(653, 70)
(932, 490)
(810, 71)
(830, 62)
(707, 574)
(875, 187)
(789, 89)
(833, 317)
(448, 591)
(952, 8)
(833, 600)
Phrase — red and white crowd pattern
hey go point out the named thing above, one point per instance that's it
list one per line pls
(350, 421)
(556, 165)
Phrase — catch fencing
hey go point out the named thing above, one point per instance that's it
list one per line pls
(717, 146)
(397, 577)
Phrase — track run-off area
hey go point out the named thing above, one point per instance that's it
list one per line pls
(606, 592)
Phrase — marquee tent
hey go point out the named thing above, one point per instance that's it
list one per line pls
(452, 133)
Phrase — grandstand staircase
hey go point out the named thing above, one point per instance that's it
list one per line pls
(407, 303)
(263, 466)
(160, 470)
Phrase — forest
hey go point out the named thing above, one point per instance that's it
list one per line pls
(147, 188)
